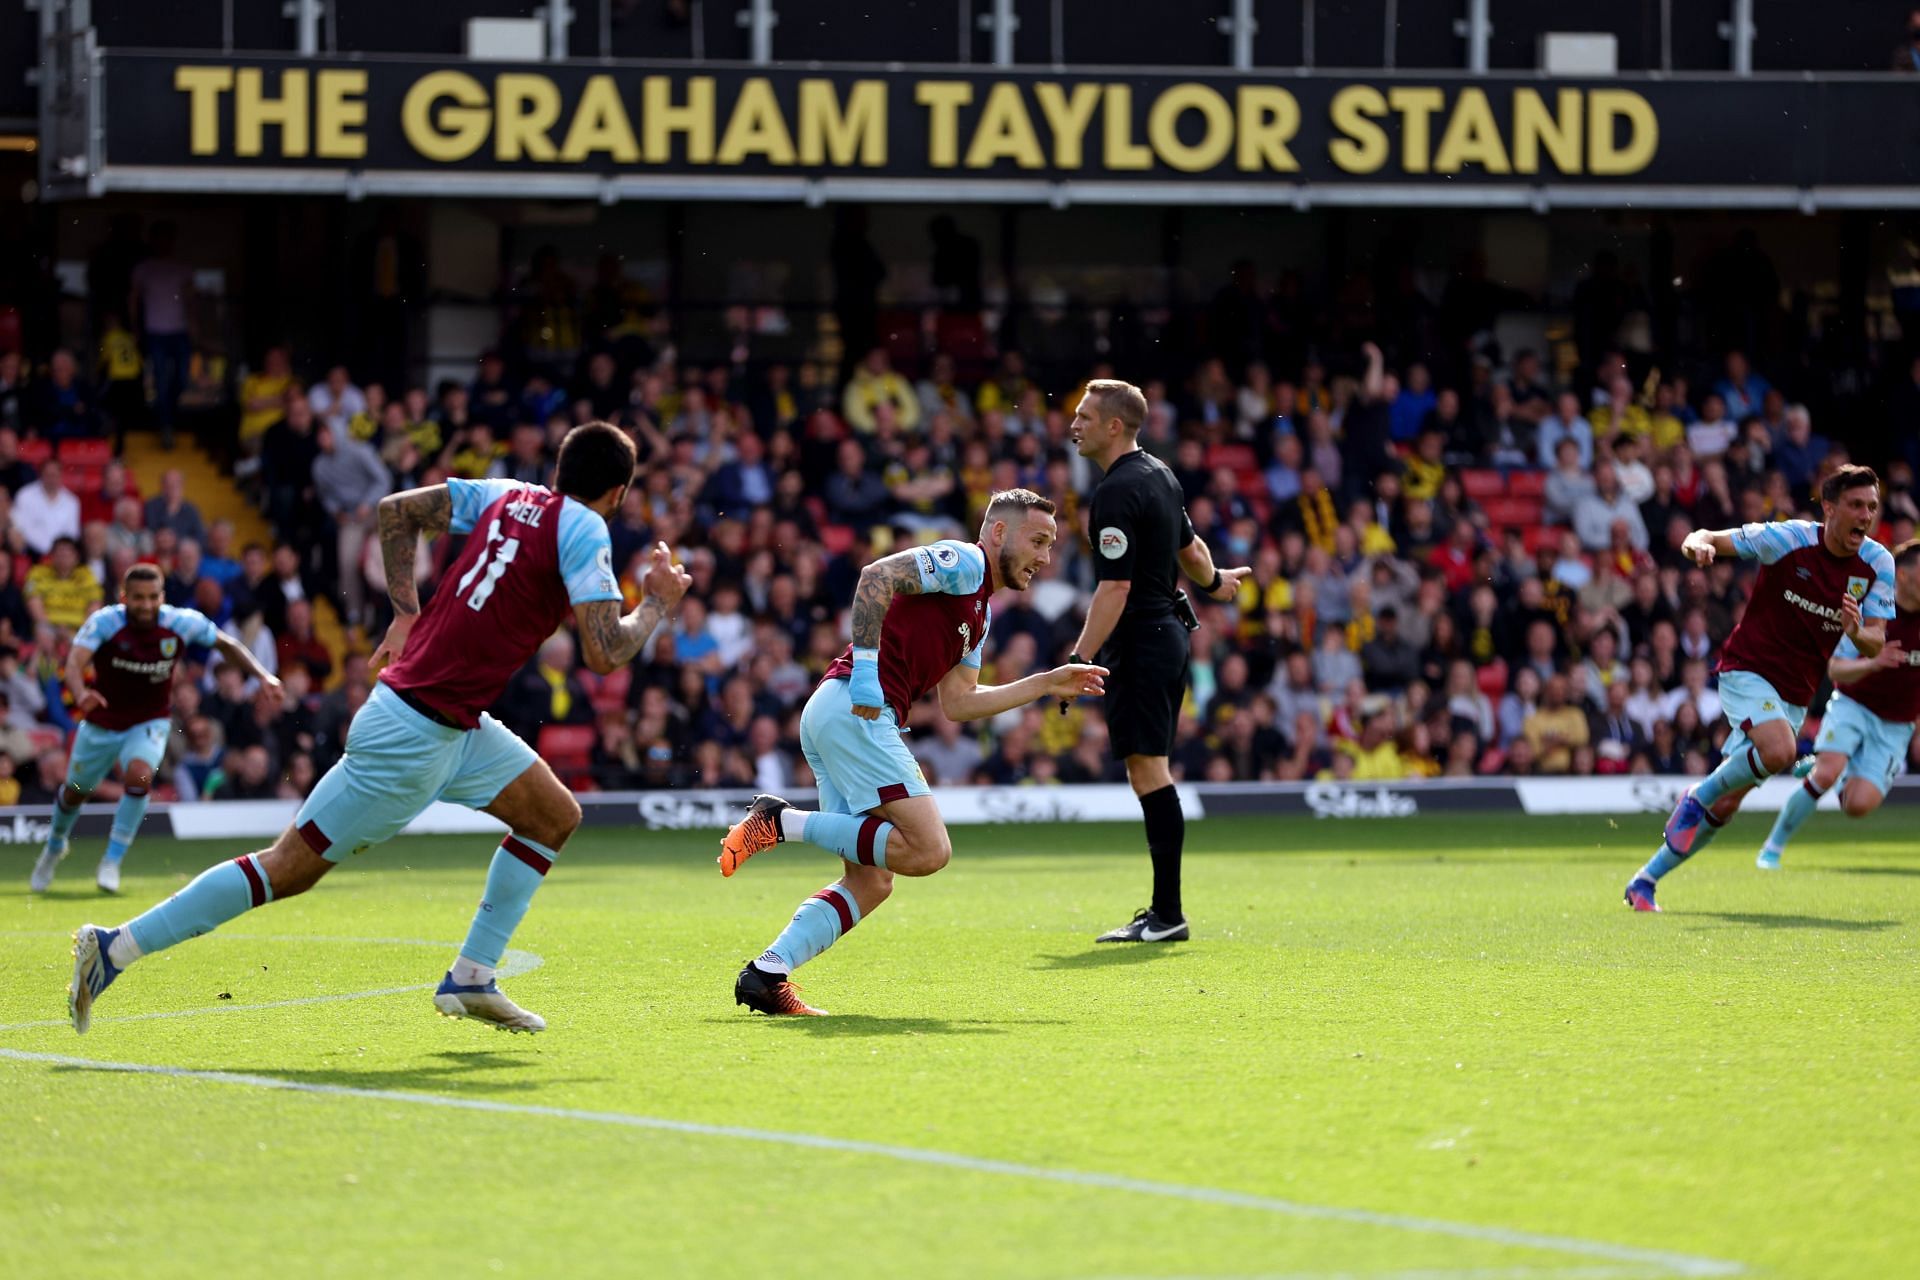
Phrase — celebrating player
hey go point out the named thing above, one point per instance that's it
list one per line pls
(920, 622)
(423, 736)
(126, 713)
(1869, 719)
(1817, 583)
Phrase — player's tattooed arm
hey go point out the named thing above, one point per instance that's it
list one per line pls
(609, 639)
(232, 650)
(880, 581)
(403, 518)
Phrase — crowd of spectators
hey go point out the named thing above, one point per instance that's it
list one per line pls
(1469, 573)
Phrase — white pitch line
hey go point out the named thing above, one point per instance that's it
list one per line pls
(512, 965)
(1430, 1273)
(1678, 1264)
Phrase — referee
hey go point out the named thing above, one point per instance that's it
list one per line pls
(1137, 623)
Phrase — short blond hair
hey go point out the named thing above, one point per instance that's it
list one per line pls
(1121, 400)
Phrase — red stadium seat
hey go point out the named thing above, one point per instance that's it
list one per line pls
(609, 692)
(35, 451)
(86, 453)
(1492, 679)
(1526, 484)
(1541, 535)
(567, 748)
(1512, 511)
(1481, 484)
(82, 477)
(836, 539)
(9, 328)
(1238, 456)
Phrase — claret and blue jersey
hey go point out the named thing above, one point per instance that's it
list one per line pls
(1793, 620)
(927, 635)
(133, 666)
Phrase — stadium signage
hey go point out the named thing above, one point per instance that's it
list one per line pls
(151, 121)
(732, 120)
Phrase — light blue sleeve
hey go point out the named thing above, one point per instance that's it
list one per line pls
(950, 567)
(972, 657)
(1775, 539)
(1879, 601)
(471, 497)
(586, 555)
(101, 626)
(191, 625)
(1846, 648)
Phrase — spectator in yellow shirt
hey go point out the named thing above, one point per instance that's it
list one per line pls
(873, 384)
(263, 397)
(1424, 470)
(1556, 729)
(1376, 756)
(1620, 414)
(62, 590)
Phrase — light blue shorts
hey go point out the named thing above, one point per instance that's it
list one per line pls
(96, 750)
(397, 763)
(1875, 749)
(1749, 699)
(858, 764)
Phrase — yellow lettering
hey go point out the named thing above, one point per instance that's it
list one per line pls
(1643, 132)
(660, 119)
(453, 132)
(1535, 127)
(253, 111)
(203, 87)
(1416, 108)
(600, 123)
(1472, 137)
(943, 100)
(829, 133)
(1067, 119)
(524, 108)
(339, 112)
(1163, 127)
(1122, 152)
(756, 127)
(1269, 117)
(1005, 132)
(1362, 146)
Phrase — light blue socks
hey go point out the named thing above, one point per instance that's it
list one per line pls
(857, 838)
(1798, 808)
(519, 865)
(817, 925)
(216, 896)
(1736, 773)
(126, 824)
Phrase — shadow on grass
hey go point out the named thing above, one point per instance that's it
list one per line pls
(1879, 871)
(1108, 956)
(1761, 920)
(450, 1071)
(868, 1024)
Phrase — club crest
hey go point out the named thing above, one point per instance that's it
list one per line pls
(1857, 588)
(169, 646)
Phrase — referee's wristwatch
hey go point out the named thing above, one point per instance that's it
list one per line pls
(1076, 660)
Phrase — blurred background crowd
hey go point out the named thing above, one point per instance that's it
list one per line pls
(1465, 550)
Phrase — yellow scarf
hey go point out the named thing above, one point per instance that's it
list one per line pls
(562, 701)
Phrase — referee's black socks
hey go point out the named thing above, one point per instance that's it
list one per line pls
(1166, 835)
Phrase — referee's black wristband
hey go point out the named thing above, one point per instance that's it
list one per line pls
(1076, 660)
(1214, 586)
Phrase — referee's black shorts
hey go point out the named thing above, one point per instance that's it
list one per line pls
(1147, 657)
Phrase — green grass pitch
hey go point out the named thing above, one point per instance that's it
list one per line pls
(1446, 1030)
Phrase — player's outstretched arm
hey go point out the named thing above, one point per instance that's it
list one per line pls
(1853, 669)
(84, 698)
(1196, 561)
(963, 698)
(231, 650)
(608, 639)
(1704, 546)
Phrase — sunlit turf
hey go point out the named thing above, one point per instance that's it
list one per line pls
(1451, 1018)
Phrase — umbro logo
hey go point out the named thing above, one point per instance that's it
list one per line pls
(1805, 573)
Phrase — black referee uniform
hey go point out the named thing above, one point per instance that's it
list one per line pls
(1139, 526)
